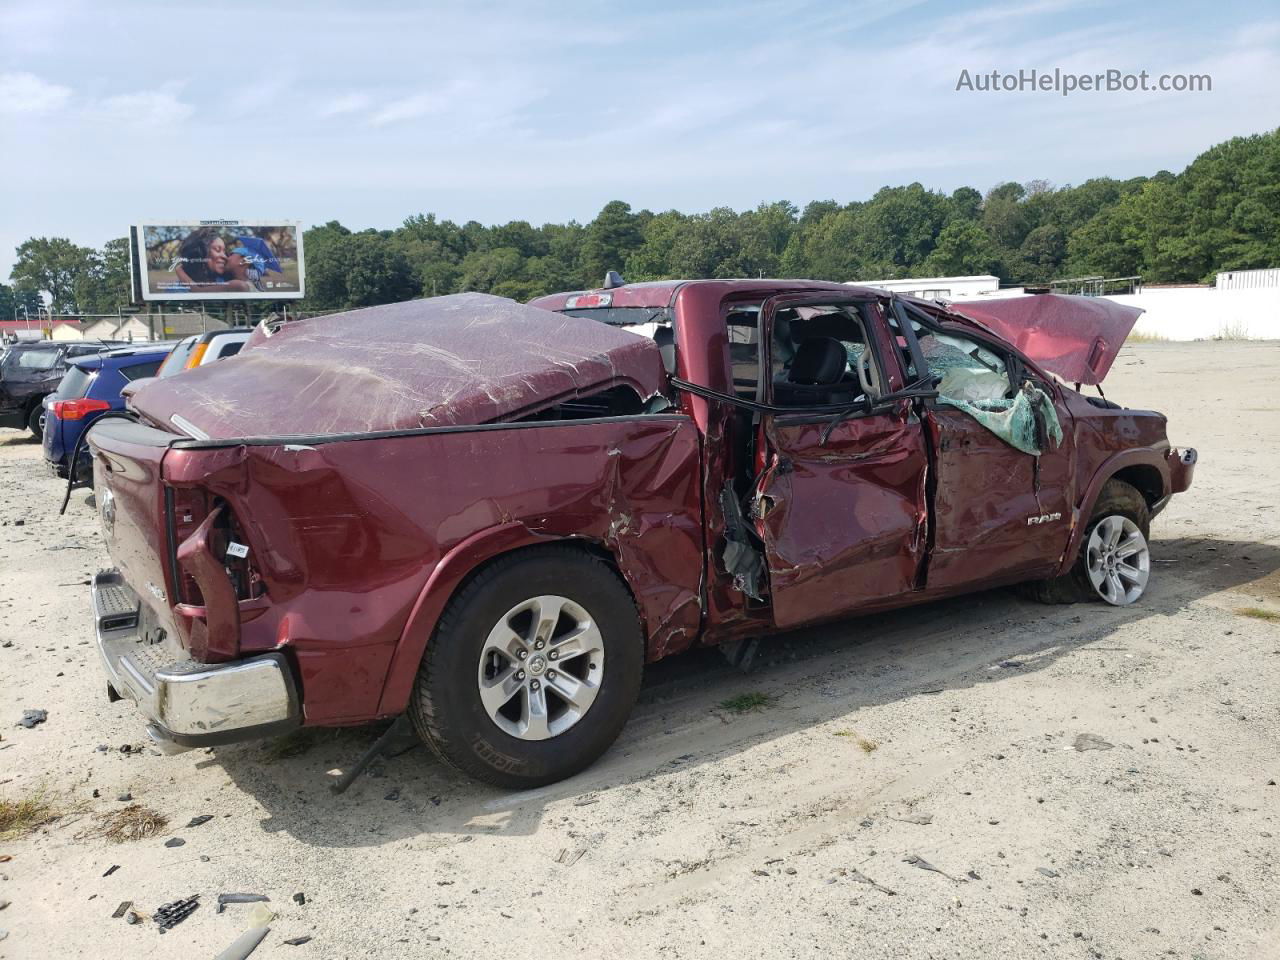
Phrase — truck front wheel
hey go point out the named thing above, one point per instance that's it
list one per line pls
(533, 669)
(1113, 563)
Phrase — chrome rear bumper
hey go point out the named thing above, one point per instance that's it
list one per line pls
(187, 704)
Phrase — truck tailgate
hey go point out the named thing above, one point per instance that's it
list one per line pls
(127, 460)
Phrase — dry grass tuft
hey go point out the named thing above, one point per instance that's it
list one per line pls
(21, 816)
(1260, 613)
(1136, 337)
(867, 746)
(134, 822)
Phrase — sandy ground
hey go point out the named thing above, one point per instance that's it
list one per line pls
(946, 733)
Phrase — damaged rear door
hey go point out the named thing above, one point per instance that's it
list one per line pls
(840, 501)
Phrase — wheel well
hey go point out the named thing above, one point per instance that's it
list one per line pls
(1143, 478)
(590, 548)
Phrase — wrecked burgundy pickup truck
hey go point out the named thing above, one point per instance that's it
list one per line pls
(491, 515)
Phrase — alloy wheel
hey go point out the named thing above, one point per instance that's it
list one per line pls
(1118, 560)
(541, 667)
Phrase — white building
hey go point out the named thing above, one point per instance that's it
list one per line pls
(941, 288)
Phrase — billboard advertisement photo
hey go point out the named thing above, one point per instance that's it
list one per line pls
(219, 260)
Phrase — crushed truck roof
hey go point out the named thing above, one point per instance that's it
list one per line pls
(469, 358)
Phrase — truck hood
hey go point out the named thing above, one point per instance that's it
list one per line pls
(1075, 337)
(469, 358)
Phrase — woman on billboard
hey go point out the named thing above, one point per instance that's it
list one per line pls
(203, 266)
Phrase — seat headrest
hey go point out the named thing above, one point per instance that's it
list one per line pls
(818, 361)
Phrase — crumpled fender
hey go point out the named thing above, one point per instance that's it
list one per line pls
(1136, 457)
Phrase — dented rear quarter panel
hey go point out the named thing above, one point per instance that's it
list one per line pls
(362, 542)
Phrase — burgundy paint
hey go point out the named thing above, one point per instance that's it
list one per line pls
(462, 359)
(360, 543)
(359, 560)
(211, 631)
(1075, 337)
(848, 518)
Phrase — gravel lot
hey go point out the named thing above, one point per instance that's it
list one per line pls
(920, 784)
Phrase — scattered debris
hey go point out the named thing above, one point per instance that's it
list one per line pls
(921, 819)
(1091, 741)
(169, 915)
(32, 717)
(586, 801)
(260, 915)
(570, 857)
(131, 918)
(861, 877)
(392, 794)
(297, 941)
(134, 822)
(1047, 871)
(122, 909)
(244, 944)
(125, 797)
(200, 820)
(973, 875)
(174, 842)
(923, 864)
(225, 898)
(112, 869)
(300, 899)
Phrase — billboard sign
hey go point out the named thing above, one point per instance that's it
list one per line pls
(219, 260)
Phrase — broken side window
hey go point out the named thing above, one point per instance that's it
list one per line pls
(973, 378)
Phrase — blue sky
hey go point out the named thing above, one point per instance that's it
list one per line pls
(115, 112)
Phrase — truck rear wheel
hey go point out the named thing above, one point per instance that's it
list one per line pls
(533, 670)
(1114, 562)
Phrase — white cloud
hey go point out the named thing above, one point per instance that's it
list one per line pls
(146, 108)
(350, 103)
(413, 107)
(25, 93)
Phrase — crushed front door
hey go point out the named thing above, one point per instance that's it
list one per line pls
(844, 522)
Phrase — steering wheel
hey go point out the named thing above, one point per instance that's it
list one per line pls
(868, 375)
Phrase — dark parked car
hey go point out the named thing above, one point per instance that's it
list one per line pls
(90, 387)
(30, 372)
(491, 516)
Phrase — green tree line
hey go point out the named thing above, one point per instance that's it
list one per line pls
(1221, 213)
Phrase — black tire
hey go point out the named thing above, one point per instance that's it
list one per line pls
(33, 422)
(1115, 497)
(445, 705)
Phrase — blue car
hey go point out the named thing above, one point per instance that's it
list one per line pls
(89, 389)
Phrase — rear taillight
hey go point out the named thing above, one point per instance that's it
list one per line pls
(190, 507)
(78, 409)
(196, 355)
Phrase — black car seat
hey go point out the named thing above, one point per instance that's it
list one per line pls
(816, 372)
